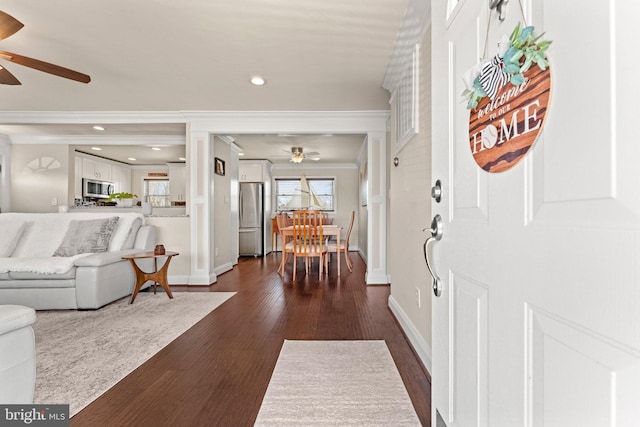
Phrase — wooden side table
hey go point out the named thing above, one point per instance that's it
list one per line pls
(158, 276)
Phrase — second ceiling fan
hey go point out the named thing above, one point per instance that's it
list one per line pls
(298, 155)
(9, 26)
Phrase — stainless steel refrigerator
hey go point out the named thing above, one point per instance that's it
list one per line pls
(251, 208)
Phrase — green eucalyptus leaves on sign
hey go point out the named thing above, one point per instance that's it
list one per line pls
(515, 56)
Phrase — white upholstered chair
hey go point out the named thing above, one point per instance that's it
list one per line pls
(17, 354)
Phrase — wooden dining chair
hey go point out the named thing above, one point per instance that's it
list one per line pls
(325, 219)
(308, 241)
(274, 234)
(342, 245)
(283, 220)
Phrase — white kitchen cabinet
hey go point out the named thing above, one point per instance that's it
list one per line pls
(177, 182)
(77, 178)
(121, 177)
(250, 172)
(94, 169)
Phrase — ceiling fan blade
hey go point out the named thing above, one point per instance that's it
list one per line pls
(312, 153)
(36, 64)
(6, 78)
(8, 25)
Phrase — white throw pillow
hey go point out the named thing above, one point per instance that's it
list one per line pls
(11, 231)
(131, 238)
(124, 228)
(90, 236)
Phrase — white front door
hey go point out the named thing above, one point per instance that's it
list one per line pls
(538, 323)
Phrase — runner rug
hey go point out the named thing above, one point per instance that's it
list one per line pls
(336, 383)
(82, 354)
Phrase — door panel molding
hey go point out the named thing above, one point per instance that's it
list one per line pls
(567, 363)
(469, 371)
(469, 199)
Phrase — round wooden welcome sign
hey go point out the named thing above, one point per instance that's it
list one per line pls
(502, 130)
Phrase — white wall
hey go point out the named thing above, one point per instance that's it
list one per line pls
(5, 170)
(362, 208)
(39, 173)
(410, 213)
(223, 252)
(173, 233)
(346, 177)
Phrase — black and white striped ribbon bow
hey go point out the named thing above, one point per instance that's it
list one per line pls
(493, 77)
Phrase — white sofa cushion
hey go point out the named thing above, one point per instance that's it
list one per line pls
(11, 231)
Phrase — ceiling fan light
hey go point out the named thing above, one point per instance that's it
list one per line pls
(297, 159)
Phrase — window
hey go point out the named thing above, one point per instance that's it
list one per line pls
(406, 97)
(304, 193)
(156, 192)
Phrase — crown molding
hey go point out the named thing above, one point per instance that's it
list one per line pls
(99, 139)
(218, 122)
(90, 117)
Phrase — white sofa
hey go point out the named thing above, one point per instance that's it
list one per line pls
(17, 354)
(40, 266)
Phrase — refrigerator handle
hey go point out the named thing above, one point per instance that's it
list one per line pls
(240, 207)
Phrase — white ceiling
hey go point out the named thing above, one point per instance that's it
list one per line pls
(156, 55)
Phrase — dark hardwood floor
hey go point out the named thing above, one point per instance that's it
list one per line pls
(217, 372)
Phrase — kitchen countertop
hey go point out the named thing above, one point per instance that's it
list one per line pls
(174, 211)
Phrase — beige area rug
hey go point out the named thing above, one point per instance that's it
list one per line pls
(336, 383)
(82, 354)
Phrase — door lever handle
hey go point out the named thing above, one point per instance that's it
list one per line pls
(436, 234)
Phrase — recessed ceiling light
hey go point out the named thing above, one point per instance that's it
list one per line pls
(182, 159)
(156, 148)
(133, 159)
(257, 81)
(240, 154)
(98, 127)
(96, 148)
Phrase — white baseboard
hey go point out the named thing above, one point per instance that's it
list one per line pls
(419, 344)
(223, 268)
(203, 280)
(362, 255)
(178, 279)
(185, 279)
(376, 278)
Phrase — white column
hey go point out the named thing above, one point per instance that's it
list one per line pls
(377, 209)
(200, 149)
(5, 177)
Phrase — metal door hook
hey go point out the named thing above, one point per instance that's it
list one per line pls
(499, 6)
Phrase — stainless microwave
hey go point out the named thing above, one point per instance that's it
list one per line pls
(96, 189)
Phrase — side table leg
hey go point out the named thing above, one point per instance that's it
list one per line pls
(141, 278)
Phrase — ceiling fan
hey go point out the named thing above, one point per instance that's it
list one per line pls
(298, 155)
(9, 26)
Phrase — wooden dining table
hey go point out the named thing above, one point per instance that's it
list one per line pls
(327, 230)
